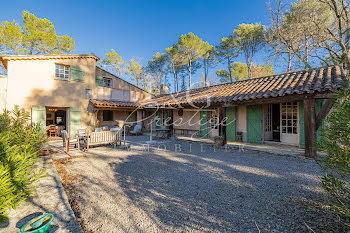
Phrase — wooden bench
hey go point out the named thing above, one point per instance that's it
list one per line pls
(186, 132)
(103, 138)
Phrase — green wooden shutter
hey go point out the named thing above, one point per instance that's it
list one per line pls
(157, 120)
(231, 124)
(39, 115)
(203, 129)
(75, 121)
(165, 112)
(301, 117)
(254, 123)
(319, 104)
(99, 81)
(77, 74)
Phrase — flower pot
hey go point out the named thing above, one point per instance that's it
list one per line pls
(219, 141)
(44, 227)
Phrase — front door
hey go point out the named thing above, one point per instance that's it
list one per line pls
(289, 123)
(268, 122)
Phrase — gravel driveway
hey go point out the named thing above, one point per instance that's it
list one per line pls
(196, 189)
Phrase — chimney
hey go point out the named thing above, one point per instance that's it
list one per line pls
(164, 89)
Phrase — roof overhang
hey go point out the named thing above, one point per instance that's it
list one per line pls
(5, 58)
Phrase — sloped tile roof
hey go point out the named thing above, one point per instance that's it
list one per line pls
(113, 103)
(314, 80)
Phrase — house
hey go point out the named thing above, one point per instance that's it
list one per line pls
(286, 108)
(57, 89)
(71, 91)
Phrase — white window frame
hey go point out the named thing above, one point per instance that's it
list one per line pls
(110, 82)
(62, 72)
(213, 119)
(88, 93)
(289, 118)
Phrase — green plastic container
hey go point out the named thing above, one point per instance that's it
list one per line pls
(43, 228)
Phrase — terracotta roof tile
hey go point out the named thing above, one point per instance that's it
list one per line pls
(113, 103)
(313, 80)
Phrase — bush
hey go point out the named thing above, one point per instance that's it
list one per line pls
(336, 141)
(20, 143)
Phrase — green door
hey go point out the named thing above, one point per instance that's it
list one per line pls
(39, 115)
(75, 121)
(319, 103)
(203, 130)
(157, 120)
(254, 123)
(301, 125)
(77, 74)
(231, 124)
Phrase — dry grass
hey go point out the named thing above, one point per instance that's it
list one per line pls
(68, 179)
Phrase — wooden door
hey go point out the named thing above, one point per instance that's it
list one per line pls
(268, 122)
(254, 121)
(290, 123)
(203, 130)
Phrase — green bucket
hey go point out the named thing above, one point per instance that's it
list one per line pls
(43, 227)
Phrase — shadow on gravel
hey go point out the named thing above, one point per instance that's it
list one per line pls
(211, 190)
(206, 190)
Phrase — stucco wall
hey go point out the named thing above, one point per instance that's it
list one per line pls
(119, 117)
(241, 125)
(3, 86)
(189, 120)
(121, 90)
(33, 82)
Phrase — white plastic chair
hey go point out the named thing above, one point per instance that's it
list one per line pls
(137, 130)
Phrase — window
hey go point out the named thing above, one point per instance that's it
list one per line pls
(107, 115)
(88, 94)
(214, 120)
(107, 82)
(162, 117)
(62, 72)
(289, 113)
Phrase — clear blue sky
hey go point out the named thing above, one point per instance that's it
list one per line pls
(139, 29)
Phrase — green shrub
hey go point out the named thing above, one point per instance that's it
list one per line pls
(336, 141)
(20, 143)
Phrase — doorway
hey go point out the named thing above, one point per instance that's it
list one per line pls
(290, 123)
(272, 122)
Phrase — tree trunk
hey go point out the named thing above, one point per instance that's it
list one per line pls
(249, 69)
(189, 74)
(289, 62)
(229, 69)
(205, 72)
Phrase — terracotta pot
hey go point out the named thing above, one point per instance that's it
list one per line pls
(219, 141)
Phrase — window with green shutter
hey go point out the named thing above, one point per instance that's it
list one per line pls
(203, 128)
(77, 74)
(39, 115)
(254, 125)
(231, 124)
(75, 121)
(99, 81)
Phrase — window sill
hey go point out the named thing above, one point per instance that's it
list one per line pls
(67, 80)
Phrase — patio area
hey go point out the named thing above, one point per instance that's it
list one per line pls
(188, 186)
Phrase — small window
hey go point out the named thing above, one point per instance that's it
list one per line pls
(214, 120)
(88, 94)
(107, 115)
(107, 82)
(62, 72)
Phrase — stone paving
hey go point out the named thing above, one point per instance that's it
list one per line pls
(49, 197)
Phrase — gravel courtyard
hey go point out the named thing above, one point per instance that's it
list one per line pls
(197, 189)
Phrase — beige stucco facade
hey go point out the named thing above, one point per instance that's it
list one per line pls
(31, 81)
(241, 123)
(188, 123)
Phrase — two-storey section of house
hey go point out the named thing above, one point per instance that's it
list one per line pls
(58, 90)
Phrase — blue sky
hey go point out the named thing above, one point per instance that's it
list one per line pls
(139, 29)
